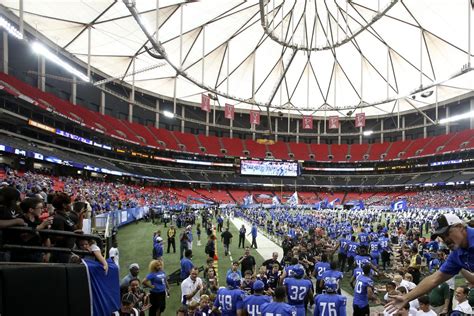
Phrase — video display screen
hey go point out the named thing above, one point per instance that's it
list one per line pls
(269, 168)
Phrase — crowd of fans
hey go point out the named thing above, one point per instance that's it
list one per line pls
(376, 251)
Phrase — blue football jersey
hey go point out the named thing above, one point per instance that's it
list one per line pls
(330, 305)
(332, 276)
(229, 301)
(352, 249)
(297, 290)
(252, 304)
(361, 297)
(361, 260)
(277, 308)
(320, 268)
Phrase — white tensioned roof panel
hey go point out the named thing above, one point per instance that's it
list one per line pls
(320, 57)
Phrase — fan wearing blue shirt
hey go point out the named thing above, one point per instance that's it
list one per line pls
(298, 289)
(363, 292)
(330, 303)
(332, 275)
(252, 304)
(319, 269)
(278, 306)
(186, 264)
(460, 239)
(230, 299)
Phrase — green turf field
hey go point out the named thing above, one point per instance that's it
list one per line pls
(135, 245)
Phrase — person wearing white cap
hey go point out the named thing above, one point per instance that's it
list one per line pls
(460, 239)
(134, 269)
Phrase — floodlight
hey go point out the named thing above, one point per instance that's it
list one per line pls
(10, 28)
(168, 114)
(367, 133)
(458, 117)
(40, 49)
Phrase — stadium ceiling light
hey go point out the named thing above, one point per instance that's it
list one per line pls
(455, 118)
(10, 28)
(168, 114)
(40, 49)
(367, 133)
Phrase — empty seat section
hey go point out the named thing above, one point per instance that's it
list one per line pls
(143, 132)
(358, 152)
(320, 152)
(455, 143)
(233, 146)
(300, 151)
(118, 129)
(396, 149)
(279, 150)
(189, 141)
(165, 136)
(339, 152)
(436, 142)
(377, 150)
(211, 143)
(255, 149)
(416, 145)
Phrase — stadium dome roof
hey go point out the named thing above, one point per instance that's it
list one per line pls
(319, 57)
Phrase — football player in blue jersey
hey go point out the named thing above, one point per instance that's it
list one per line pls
(374, 247)
(330, 303)
(278, 306)
(332, 274)
(352, 248)
(230, 299)
(298, 289)
(319, 269)
(363, 292)
(252, 304)
(363, 238)
(342, 254)
(386, 250)
(362, 258)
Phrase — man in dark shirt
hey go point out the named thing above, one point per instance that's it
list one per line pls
(226, 238)
(242, 232)
(268, 264)
(247, 262)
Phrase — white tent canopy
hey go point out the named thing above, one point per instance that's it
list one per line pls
(314, 57)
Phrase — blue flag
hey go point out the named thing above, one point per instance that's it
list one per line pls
(105, 288)
(399, 205)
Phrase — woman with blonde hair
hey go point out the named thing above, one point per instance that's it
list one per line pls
(158, 282)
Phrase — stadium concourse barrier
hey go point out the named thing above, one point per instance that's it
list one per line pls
(62, 289)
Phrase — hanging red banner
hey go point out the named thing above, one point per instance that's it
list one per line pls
(229, 111)
(308, 122)
(333, 122)
(360, 120)
(205, 103)
(255, 117)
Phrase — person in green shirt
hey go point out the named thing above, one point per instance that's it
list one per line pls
(439, 298)
(470, 296)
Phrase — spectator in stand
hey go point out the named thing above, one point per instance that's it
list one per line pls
(114, 254)
(77, 213)
(270, 262)
(158, 282)
(191, 288)
(247, 262)
(186, 264)
(461, 295)
(460, 239)
(425, 309)
(10, 215)
(226, 238)
(127, 308)
(96, 253)
(32, 208)
(63, 221)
